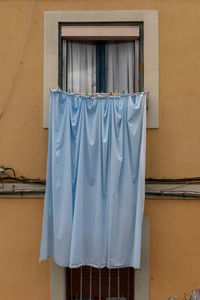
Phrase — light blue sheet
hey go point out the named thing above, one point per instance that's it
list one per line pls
(94, 197)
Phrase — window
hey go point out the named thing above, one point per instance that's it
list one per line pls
(101, 57)
(61, 287)
(52, 19)
(53, 42)
(90, 283)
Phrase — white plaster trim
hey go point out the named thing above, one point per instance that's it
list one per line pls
(151, 52)
(58, 282)
(141, 278)
(182, 191)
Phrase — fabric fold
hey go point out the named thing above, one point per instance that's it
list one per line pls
(94, 196)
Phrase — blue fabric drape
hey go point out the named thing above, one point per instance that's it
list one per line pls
(95, 180)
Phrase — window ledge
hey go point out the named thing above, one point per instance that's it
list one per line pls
(152, 191)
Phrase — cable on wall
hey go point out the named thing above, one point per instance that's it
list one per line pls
(19, 61)
(173, 180)
(160, 187)
(178, 181)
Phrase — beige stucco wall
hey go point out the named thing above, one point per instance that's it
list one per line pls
(22, 277)
(174, 249)
(172, 150)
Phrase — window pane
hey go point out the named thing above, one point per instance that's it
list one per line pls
(122, 66)
(83, 298)
(116, 298)
(106, 66)
(90, 283)
(81, 66)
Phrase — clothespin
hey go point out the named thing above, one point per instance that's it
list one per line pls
(126, 92)
(140, 90)
(133, 93)
(53, 87)
(144, 90)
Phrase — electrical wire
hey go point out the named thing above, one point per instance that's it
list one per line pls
(11, 170)
(23, 179)
(177, 190)
(173, 180)
(19, 61)
(181, 194)
(179, 181)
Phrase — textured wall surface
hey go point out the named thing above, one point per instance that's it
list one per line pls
(172, 150)
(174, 247)
(22, 277)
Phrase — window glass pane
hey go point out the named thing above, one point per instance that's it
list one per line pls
(83, 298)
(81, 66)
(100, 66)
(90, 283)
(122, 66)
(116, 298)
(106, 66)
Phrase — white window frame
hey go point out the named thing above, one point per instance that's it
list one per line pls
(141, 276)
(151, 54)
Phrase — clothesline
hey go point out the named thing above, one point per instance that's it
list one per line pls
(101, 94)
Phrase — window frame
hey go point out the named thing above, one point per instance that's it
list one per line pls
(115, 24)
(151, 53)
